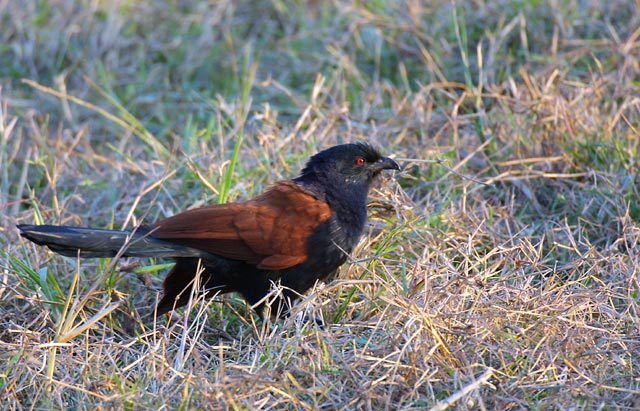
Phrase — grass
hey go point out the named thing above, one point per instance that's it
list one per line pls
(499, 270)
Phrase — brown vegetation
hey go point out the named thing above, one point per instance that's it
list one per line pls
(500, 269)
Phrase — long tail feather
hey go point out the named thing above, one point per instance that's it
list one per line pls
(93, 242)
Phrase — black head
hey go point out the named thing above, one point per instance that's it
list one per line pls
(349, 164)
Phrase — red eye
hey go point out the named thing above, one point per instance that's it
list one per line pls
(360, 161)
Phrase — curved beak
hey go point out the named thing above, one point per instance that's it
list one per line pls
(386, 163)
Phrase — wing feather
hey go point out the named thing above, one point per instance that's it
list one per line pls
(270, 230)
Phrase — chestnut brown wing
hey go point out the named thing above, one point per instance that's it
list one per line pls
(270, 230)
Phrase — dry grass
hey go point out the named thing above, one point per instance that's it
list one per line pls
(514, 286)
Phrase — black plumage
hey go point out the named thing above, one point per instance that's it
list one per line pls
(296, 233)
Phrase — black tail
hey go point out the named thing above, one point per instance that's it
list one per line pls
(92, 242)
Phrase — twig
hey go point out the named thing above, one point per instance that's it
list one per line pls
(441, 162)
(444, 404)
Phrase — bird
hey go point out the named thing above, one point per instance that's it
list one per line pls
(295, 233)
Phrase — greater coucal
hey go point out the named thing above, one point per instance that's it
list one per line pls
(296, 232)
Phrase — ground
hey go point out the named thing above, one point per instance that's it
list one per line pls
(500, 268)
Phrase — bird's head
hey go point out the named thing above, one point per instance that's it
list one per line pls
(350, 165)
